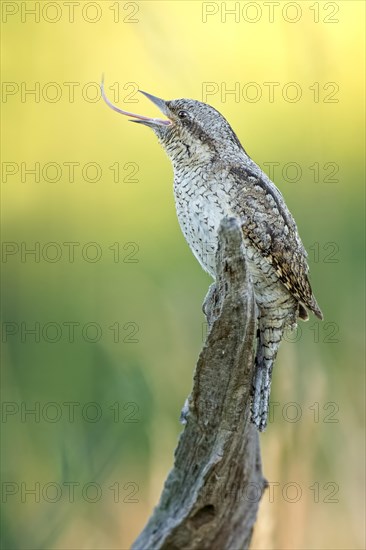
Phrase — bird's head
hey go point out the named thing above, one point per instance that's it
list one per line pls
(192, 131)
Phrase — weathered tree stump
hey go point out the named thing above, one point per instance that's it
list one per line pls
(211, 496)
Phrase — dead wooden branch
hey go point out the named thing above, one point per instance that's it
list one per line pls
(211, 496)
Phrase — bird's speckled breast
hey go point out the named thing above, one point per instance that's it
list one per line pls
(200, 211)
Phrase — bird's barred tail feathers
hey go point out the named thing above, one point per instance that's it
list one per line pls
(271, 326)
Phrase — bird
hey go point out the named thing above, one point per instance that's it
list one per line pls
(214, 177)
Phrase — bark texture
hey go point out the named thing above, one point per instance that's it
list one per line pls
(211, 496)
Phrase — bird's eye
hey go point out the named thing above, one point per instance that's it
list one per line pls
(182, 114)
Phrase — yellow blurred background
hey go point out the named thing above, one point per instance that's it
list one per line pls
(102, 322)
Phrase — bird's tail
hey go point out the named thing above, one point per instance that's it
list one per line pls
(271, 327)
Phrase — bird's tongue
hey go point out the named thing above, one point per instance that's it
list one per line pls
(137, 118)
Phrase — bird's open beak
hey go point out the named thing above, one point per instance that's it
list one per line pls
(139, 118)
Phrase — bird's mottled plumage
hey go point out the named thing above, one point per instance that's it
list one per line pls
(214, 177)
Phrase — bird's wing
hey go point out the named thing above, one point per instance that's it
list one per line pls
(269, 226)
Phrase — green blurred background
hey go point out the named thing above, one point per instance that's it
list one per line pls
(118, 326)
